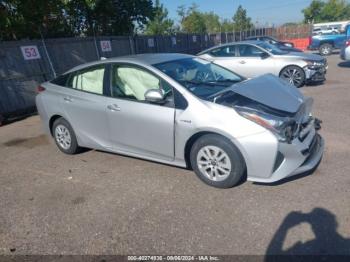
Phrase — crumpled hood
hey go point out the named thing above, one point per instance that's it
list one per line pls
(306, 56)
(271, 91)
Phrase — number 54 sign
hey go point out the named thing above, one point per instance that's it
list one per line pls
(106, 46)
(30, 52)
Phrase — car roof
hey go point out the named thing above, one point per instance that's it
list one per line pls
(252, 42)
(141, 59)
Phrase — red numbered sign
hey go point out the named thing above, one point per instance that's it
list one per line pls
(106, 46)
(30, 52)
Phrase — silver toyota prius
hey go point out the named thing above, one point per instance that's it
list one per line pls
(185, 111)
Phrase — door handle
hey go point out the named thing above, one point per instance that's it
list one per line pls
(242, 62)
(113, 107)
(67, 99)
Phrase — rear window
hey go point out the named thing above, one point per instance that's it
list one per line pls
(61, 80)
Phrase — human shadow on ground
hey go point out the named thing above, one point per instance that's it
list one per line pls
(327, 242)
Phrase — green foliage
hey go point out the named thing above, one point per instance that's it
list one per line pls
(24, 18)
(241, 21)
(56, 18)
(290, 24)
(227, 25)
(192, 20)
(160, 24)
(212, 22)
(326, 11)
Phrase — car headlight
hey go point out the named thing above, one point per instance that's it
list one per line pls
(313, 64)
(282, 127)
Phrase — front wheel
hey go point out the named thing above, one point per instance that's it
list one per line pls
(326, 49)
(294, 75)
(217, 162)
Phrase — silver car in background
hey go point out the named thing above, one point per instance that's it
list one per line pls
(255, 58)
(345, 51)
(184, 111)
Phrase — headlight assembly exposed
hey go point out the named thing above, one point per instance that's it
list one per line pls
(313, 64)
(282, 127)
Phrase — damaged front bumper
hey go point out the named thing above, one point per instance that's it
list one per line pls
(315, 74)
(301, 155)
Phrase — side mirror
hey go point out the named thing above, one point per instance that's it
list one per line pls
(264, 55)
(154, 96)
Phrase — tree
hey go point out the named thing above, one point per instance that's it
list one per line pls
(160, 24)
(192, 21)
(212, 22)
(241, 21)
(23, 21)
(313, 12)
(321, 11)
(121, 17)
(290, 24)
(61, 18)
(227, 25)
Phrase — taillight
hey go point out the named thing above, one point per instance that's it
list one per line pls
(347, 43)
(40, 89)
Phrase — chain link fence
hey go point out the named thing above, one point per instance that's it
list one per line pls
(25, 64)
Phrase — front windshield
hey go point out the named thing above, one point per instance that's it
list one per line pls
(271, 48)
(272, 39)
(199, 76)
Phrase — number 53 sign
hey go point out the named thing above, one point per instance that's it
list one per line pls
(30, 52)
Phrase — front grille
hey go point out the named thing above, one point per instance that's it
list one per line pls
(305, 128)
(312, 147)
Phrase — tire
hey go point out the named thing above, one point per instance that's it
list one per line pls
(325, 49)
(64, 137)
(294, 75)
(222, 170)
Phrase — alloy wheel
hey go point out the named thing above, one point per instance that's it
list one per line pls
(214, 163)
(293, 76)
(63, 137)
(325, 50)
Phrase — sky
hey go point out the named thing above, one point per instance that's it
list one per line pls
(263, 12)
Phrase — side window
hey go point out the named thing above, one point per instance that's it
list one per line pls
(226, 51)
(133, 82)
(89, 80)
(249, 51)
(61, 80)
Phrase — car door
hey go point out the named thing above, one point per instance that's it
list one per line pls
(85, 108)
(252, 61)
(135, 125)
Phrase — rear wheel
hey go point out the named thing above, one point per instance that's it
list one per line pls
(217, 162)
(294, 75)
(326, 49)
(65, 137)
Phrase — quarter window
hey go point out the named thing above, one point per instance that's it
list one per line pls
(90, 80)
